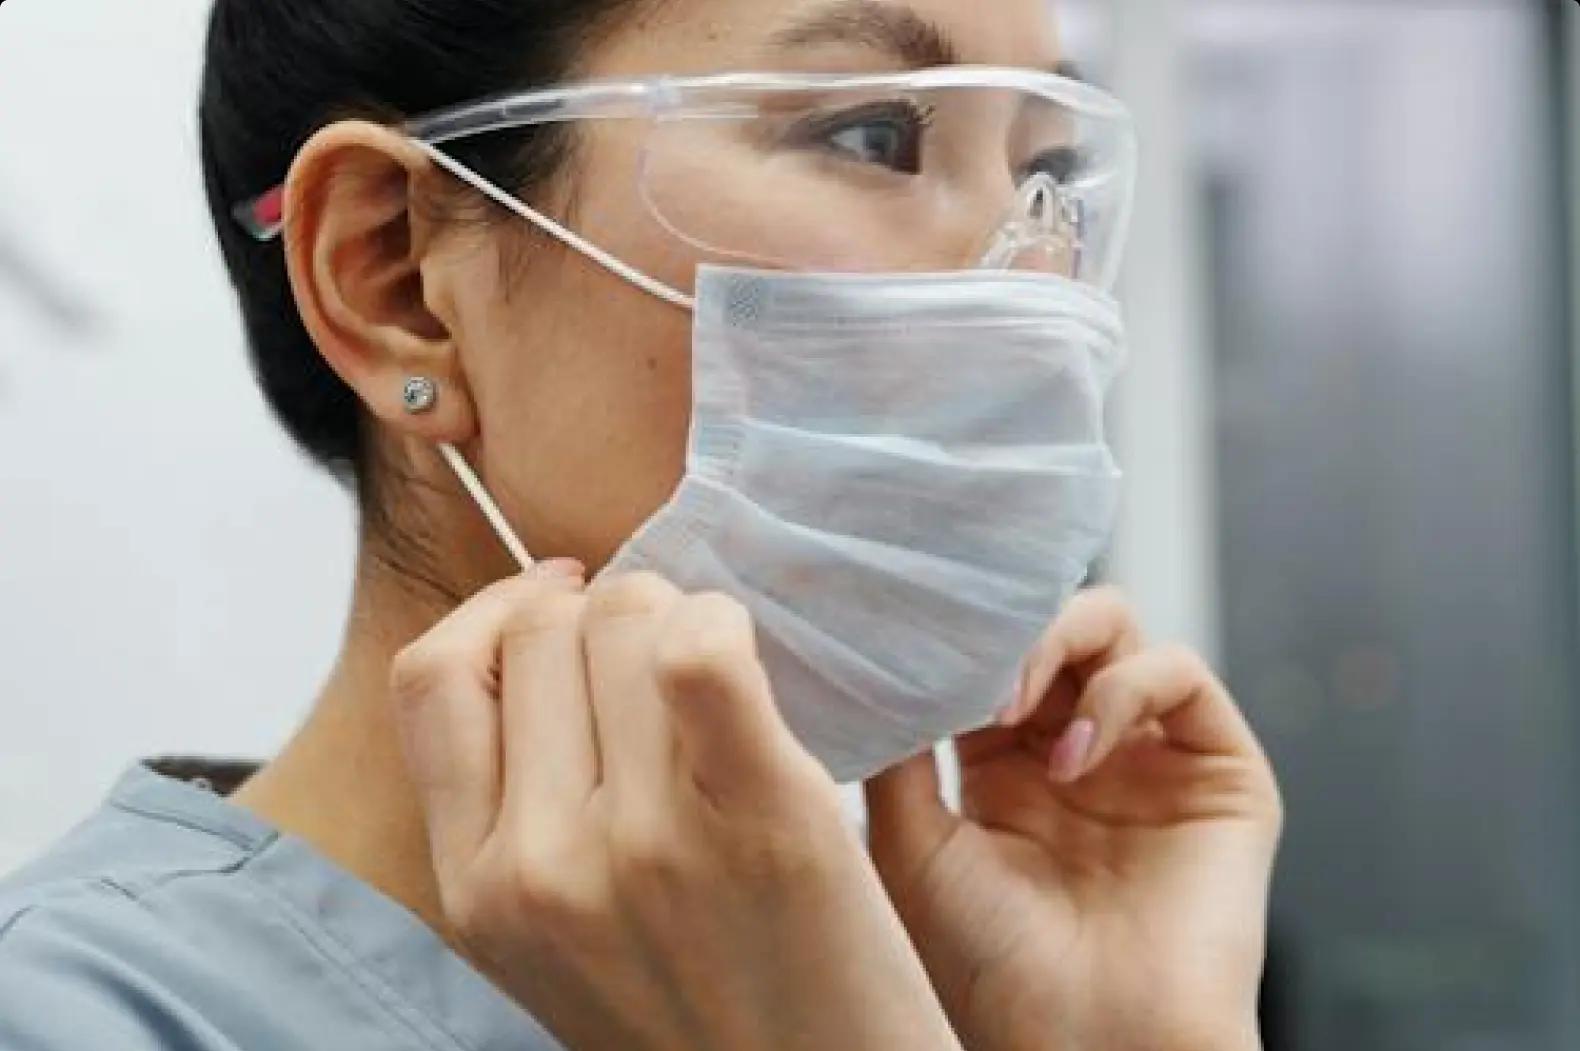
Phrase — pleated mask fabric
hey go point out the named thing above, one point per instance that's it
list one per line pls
(903, 477)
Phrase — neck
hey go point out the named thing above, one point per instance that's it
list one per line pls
(340, 784)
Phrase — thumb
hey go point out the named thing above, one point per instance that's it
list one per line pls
(906, 815)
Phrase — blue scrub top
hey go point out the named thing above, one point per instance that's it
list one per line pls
(171, 919)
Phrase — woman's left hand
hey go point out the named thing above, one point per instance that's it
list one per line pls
(1106, 883)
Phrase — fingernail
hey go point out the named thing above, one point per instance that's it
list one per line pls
(1072, 751)
(569, 568)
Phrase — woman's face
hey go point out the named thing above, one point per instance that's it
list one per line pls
(580, 381)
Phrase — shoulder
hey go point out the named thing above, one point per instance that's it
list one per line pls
(80, 967)
(171, 920)
(103, 938)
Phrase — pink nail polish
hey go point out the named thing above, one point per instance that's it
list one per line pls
(1072, 751)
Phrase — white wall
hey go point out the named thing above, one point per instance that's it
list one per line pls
(1165, 553)
(172, 576)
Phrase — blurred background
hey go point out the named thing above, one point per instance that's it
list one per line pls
(1350, 430)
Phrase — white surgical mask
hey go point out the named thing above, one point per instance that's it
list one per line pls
(902, 476)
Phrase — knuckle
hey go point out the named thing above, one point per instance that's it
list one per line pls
(645, 857)
(1107, 598)
(688, 663)
(541, 614)
(508, 589)
(536, 880)
(1185, 662)
(627, 595)
(1095, 619)
(533, 889)
(710, 638)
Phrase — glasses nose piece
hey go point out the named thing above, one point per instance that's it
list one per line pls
(1038, 201)
(1044, 230)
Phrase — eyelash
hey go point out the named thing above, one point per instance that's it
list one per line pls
(817, 132)
(1068, 162)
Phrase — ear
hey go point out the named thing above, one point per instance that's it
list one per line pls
(355, 252)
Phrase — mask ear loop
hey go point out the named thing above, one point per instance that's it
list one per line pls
(452, 455)
(561, 233)
(490, 509)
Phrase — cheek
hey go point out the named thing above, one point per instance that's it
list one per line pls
(585, 406)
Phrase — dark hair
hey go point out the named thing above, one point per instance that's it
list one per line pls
(275, 71)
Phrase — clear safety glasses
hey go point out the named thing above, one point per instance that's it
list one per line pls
(939, 169)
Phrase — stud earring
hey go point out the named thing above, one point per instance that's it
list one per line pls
(419, 394)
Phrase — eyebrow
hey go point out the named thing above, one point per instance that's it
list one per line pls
(913, 40)
(898, 30)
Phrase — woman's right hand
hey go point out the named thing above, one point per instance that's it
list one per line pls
(628, 840)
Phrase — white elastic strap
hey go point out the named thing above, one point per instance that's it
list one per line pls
(615, 266)
(491, 511)
(457, 462)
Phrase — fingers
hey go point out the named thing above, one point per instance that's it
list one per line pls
(906, 814)
(621, 626)
(550, 741)
(1171, 685)
(729, 729)
(443, 690)
(1097, 626)
(527, 698)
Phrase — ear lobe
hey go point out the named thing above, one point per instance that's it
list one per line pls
(358, 276)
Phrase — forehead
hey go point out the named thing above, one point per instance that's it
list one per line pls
(702, 36)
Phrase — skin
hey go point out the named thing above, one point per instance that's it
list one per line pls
(628, 839)
(1107, 877)
(1124, 909)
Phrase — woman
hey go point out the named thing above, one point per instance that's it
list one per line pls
(532, 811)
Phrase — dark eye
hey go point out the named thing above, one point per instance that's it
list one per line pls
(886, 134)
(1063, 164)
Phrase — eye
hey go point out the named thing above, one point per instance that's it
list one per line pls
(1063, 164)
(886, 134)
